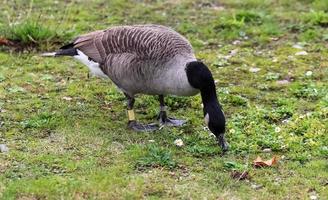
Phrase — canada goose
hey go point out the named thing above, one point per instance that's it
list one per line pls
(153, 60)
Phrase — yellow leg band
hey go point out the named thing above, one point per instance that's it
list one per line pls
(131, 115)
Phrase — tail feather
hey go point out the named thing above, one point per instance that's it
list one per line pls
(61, 52)
(67, 52)
(49, 54)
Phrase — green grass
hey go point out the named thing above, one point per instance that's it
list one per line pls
(156, 157)
(67, 133)
(29, 31)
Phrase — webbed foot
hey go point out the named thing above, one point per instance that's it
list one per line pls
(169, 121)
(134, 125)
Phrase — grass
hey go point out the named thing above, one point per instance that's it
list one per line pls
(156, 157)
(67, 135)
(31, 33)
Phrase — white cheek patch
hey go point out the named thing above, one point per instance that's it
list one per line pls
(93, 66)
(206, 119)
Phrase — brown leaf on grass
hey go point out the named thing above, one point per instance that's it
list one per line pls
(258, 162)
(239, 175)
(4, 41)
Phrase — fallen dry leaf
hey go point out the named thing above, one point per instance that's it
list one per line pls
(4, 41)
(258, 162)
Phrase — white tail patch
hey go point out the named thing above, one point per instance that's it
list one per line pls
(49, 54)
(93, 66)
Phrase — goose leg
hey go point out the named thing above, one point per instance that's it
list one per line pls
(132, 123)
(164, 119)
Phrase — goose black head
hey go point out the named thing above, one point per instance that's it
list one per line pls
(200, 77)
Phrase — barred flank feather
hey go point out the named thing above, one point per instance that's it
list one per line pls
(148, 42)
(139, 58)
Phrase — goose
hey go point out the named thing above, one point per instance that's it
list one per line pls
(151, 60)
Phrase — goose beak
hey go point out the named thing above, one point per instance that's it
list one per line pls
(222, 142)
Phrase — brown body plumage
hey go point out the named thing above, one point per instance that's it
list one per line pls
(141, 58)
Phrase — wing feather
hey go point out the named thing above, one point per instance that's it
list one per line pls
(147, 42)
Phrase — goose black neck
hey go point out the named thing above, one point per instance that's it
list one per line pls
(208, 94)
(200, 77)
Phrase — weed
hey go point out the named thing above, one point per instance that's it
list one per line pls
(156, 157)
(43, 120)
(317, 18)
(309, 35)
(297, 28)
(231, 165)
(16, 89)
(248, 17)
(230, 23)
(29, 32)
(236, 100)
(306, 91)
(272, 76)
